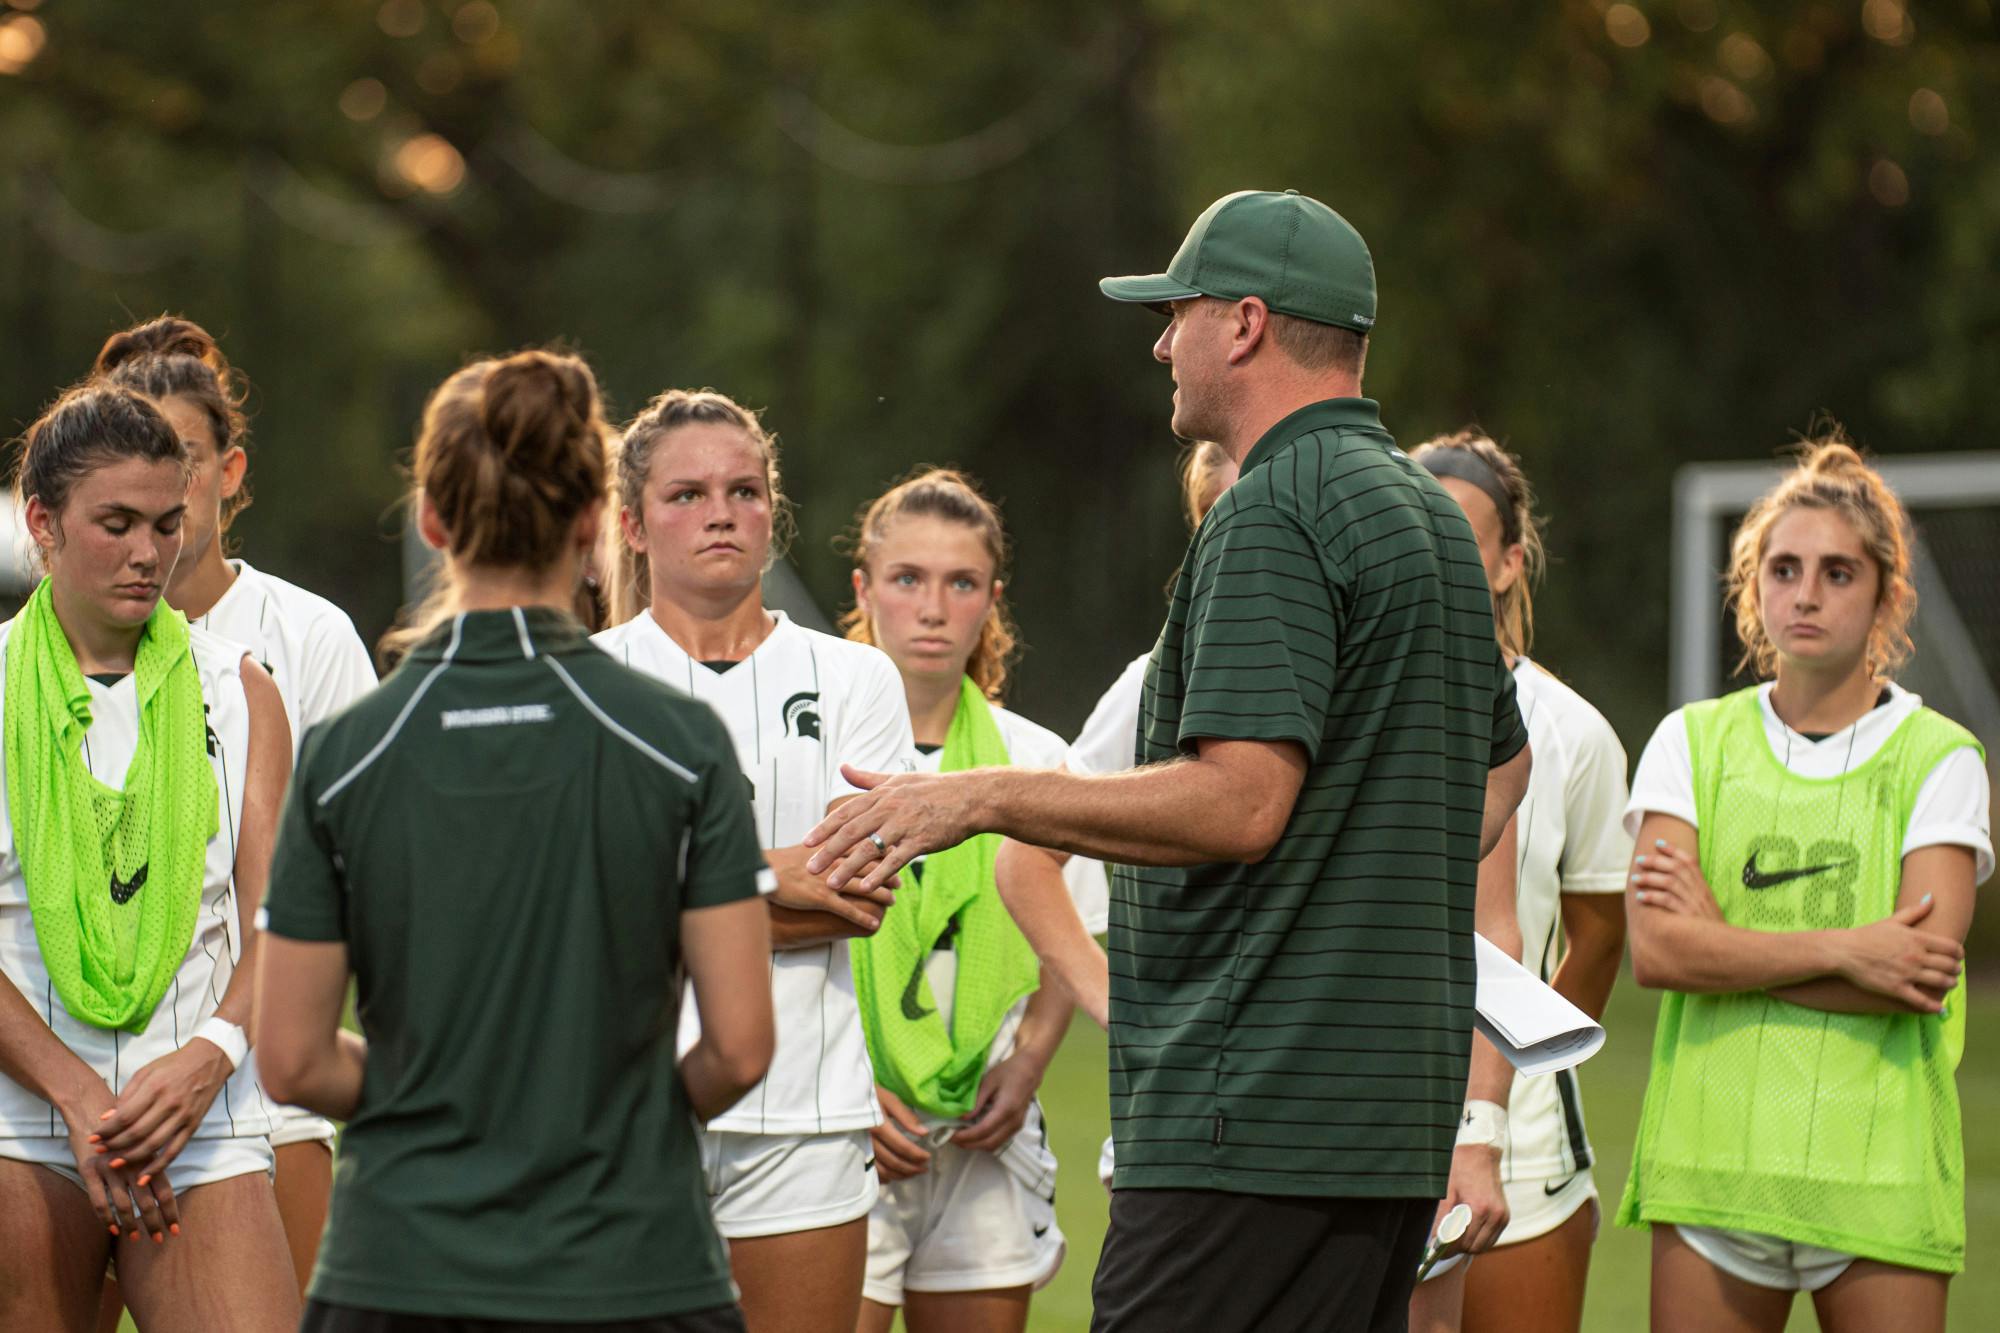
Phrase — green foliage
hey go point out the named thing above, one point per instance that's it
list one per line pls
(884, 222)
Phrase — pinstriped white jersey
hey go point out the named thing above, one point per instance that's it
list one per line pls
(1571, 840)
(240, 1109)
(306, 642)
(313, 654)
(797, 708)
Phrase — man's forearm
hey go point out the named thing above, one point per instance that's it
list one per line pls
(1180, 813)
(1838, 995)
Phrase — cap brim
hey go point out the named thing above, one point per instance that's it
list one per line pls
(1149, 289)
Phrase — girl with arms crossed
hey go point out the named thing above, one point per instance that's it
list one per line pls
(1808, 851)
(515, 847)
(790, 1168)
(959, 1027)
(306, 642)
(144, 764)
(1561, 873)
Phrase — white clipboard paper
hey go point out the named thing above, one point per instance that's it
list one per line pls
(1534, 1027)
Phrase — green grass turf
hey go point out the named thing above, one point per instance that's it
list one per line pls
(1613, 1083)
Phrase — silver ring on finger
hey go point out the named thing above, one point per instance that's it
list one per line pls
(881, 847)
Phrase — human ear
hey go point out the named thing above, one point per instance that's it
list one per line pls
(430, 525)
(235, 466)
(1512, 560)
(1251, 320)
(634, 528)
(42, 525)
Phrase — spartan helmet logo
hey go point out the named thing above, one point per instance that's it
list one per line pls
(802, 714)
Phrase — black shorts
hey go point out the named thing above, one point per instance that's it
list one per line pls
(1211, 1262)
(322, 1317)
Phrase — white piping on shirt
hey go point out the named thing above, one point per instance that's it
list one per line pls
(451, 650)
(678, 770)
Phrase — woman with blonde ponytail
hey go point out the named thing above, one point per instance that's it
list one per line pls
(791, 1176)
(1552, 890)
(515, 850)
(965, 1228)
(1808, 853)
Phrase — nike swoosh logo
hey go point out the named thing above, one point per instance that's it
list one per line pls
(123, 889)
(1560, 1185)
(1753, 878)
(868, 1165)
(913, 1005)
(1040, 1231)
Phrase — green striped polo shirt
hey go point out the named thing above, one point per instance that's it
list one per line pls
(505, 836)
(1301, 1026)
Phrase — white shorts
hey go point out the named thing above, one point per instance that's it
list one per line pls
(1107, 1162)
(1537, 1207)
(775, 1184)
(297, 1125)
(202, 1162)
(967, 1223)
(1766, 1261)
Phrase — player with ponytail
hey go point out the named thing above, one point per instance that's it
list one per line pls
(1551, 893)
(1808, 851)
(306, 642)
(516, 848)
(965, 1229)
(703, 515)
(144, 762)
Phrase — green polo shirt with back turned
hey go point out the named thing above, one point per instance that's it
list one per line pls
(505, 836)
(1301, 1026)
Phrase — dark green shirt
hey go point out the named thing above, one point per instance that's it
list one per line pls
(505, 836)
(1301, 1026)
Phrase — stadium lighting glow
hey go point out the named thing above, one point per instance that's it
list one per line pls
(429, 162)
(1626, 26)
(363, 99)
(21, 40)
(1928, 112)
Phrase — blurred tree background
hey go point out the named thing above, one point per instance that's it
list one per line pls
(1622, 236)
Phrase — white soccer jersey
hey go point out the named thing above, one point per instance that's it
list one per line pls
(799, 707)
(240, 1109)
(306, 642)
(320, 665)
(1570, 840)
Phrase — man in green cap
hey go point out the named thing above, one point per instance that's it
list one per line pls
(1329, 745)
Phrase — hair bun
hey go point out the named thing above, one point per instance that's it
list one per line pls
(169, 335)
(1832, 456)
(535, 404)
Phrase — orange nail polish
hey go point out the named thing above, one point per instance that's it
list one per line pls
(174, 1227)
(159, 1239)
(95, 1138)
(108, 1114)
(135, 1235)
(117, 1163)
(114, 1231)
(143, 1180)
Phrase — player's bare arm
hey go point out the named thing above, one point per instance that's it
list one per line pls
(727, 951)
(1030, 881)
(1942, 874)
(804, 911)
(1506, 784)
(304, 1055)
(1688, 949)
(1229, 801)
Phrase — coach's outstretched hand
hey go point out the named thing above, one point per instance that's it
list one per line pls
(910, 813)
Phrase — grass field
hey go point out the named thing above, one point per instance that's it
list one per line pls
(1613, 1083)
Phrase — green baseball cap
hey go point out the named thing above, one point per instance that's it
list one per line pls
(1288, 249)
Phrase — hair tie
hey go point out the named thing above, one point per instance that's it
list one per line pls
(1451, 460)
